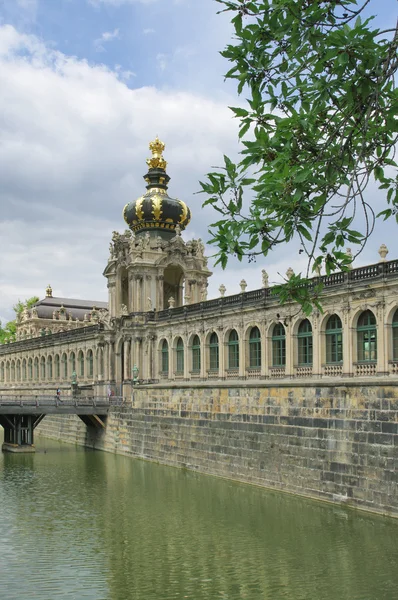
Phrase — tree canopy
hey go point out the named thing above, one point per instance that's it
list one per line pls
(320, 122)
(8, 332)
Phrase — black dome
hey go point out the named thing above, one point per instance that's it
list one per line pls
(155, 210)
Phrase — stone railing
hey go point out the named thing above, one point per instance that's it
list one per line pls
(52, 339)
(304, 371)
(277, 372)
(253, 373)
(232, 373)
(364, 369)
(393, 367)
(265, 296)
(332, 370)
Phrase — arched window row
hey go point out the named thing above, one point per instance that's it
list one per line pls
(268, 354)
(48, 368)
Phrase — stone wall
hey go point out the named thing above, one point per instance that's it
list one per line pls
(333, 443)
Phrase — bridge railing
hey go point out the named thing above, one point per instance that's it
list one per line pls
(29, 400)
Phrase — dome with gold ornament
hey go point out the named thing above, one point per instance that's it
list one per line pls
(155, 210)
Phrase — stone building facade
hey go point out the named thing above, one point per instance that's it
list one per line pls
(158, 325)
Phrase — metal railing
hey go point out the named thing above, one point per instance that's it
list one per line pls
(46, 401)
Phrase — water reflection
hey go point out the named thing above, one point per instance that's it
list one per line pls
(81, 524)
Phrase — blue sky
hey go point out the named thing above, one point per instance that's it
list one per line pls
(84, 86)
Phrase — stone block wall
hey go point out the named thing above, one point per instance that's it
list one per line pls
(337, 443)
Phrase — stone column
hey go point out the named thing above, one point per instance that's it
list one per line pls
(222, 354)
(243, 348)
(126, 360)
(289, 368)
(204, 354)
(136, 358)
(316, 345)
(138, 292)
(382, 351)
(112, 298)
(131, 305)
(159, 292)
(349, 343)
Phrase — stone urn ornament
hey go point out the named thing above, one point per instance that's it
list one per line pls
(289, 273)
(243, 286)
(222, 289)
(383, 251)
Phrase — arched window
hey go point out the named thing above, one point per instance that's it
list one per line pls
(49, 367)
(395, 336)
(233, 350)
(180, 357)
(24, 369)
(255, 348)
(334, 340)
(2, 371)
(80, 360)
(57, 367)
(42, 368)
(72, 361)
(90, 363)
(12, 370)
(36, 369)
(367, 337)
(304, 339)
(165, 358)
(8, 371)
(64, 362)
(30, 369)
(214, 357)
(196, 354)
(18, 370)
(278, 346)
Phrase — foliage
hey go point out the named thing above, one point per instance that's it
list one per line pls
(320, 122)
(8, 332)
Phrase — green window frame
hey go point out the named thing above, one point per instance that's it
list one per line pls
(196, 361)
(180, 357)
(80, 360)
(50, 367)
(165, 357)
(367, 337)
(36, 369)
(255, 348)
(395, 336)
(334, 340)
(57, 366)
(233, 350)
(72, 360)
(305, 344)
(90, 363)
(65, 366)
(278, 346)
(214, 352)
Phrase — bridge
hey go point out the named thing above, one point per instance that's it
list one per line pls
(20, 415)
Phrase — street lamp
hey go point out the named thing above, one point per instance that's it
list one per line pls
(135, 372)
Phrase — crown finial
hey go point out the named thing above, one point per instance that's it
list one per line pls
(157, 161)
(49, 291)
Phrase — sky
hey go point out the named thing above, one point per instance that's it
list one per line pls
(85, 85)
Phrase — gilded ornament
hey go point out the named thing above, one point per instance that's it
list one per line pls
(138, 208)
(184, 215)
(157, 161)
(157, 207)
(124, 213)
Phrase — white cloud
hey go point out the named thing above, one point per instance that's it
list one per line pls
(148, 31)
(106, 37)
(74, 143)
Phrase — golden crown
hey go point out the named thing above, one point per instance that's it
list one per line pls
(157, 161)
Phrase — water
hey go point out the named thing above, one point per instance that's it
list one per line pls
(78, 524)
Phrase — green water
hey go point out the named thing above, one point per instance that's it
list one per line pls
(78, 524)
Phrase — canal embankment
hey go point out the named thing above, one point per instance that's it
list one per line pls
(334, 443)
